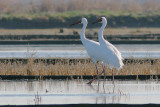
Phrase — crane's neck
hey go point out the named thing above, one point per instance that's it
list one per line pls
(100, 33)
(82, 35)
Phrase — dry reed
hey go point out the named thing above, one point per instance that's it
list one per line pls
(35, 6)
(77, 67)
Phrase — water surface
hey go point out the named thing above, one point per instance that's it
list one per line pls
(75, 51)
(78, 92)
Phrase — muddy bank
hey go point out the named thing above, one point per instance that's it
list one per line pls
(75, 39)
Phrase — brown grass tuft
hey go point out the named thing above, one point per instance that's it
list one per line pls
(75, 67)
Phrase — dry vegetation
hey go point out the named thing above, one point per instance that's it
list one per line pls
(77, 67)
(36, 6)
(89, 31)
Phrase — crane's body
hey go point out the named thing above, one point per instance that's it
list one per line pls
(102, 50)
(110, 54)
(92, 47)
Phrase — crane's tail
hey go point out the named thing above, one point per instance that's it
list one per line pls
(121, 64)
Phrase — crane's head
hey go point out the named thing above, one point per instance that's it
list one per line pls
(83, 21)
(101, 20)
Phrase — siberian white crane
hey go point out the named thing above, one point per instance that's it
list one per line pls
(109, 53)
(92, 47)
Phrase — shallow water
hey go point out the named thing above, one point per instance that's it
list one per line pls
(78, 92)
(75, 51)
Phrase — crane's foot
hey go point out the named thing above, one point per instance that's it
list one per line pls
(97, 77)
(90, 82)
(112, 81)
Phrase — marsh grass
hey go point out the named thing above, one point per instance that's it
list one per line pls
(69, 31)
(60, 67)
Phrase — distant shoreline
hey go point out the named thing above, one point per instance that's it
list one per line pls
(74, 42)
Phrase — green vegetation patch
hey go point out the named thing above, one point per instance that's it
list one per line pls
(63, 19)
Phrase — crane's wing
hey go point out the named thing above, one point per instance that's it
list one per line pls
(93, 49)
(112, 56)
(116, 51)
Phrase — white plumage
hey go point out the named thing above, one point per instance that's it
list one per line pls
(92, 47)
(110, 54)
(102, 50)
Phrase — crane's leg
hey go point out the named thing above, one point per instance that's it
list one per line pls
(112, 76)
(90, 82)
(97, 73)
(104, 75)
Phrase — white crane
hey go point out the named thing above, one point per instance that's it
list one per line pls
(92, 47)
(110, 54)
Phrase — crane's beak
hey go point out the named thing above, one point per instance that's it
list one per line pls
(99, 20)
(79, 21)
